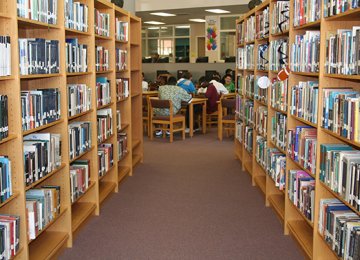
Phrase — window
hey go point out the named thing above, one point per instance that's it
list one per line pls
(228, 23)
(182, 30)
(227, 44)
(165, 47)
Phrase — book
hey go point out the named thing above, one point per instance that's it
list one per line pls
(240, 58)
(6, 179)
(306, 12)
(278, 130)
(76, 56)
(240, 28)
(262, 57)
(103, 91)
(278, 54)
(101, 59)
(104, 124)
(79, 178)
(260, 151)
(248, 138)
(260, 94)
(250, 31)
(261, 117)
(5, 51)
(9, 235)
(249, 112)
(76, 15)
(280, 17)
(122, 88)
(122, 145)
(249, 57)
(120, 59)
(121, 30)
(332, 8)
(239, 129)
(105, 158)
(262, 23)
(38, 56)
(249, 85)
(275, 165)
(79, 98)
(4, 117)
(118, 120)
(278, 94)
(39, 10)
(79, 138)
(101, 23)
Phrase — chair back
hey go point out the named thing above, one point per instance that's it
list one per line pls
(160, 104)
(229, 103)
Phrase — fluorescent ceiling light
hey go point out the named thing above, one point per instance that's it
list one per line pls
(217, 11)
(182, 26)
(153, 28)
(198, 20)
(154, 22)
(163, 14)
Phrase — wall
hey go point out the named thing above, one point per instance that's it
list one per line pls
(148, 5)
(129, 5)
(197, 69)
(195, 31)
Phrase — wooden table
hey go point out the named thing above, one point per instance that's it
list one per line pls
(153, 93)
(196, 101)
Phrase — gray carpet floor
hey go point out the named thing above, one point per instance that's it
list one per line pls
(188, 200)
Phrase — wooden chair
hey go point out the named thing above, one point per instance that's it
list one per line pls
(165, 122)
(212, 119)
(226, 116)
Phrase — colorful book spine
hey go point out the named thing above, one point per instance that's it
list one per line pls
(262, 24)
(121, 57)
(76, 15)
(250, 29)
(278, 127)
(122, 145)
(103, 91)
(79, 179)
(102, 23)
(280, 17)
(79, 99)
(76, 56)
(122, 88)
(278, 94)
(306, 12)
(79, 138)
(105, 158)
(37, 10)
(102, 58)
(261, 120)
(121, 30)
(278, 54)
(5, 52)
(275, 162)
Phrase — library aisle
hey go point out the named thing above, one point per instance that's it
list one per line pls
(188, 200)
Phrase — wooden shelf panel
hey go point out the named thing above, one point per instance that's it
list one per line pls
(311, 25)
(104, 72)
(7, 78)
(105, 106)
(47, 245)
(339, 76)
(80, 212)
(301, 167)
(105, 188)
(136, 158)
(69, 31)
(74, 74)
(135, 143)
(123, 172)
(307, 74)
(107, 139)
(81, 155)
(304, 121)
(106, 173)
(303, 234)
(311, 224)
(14, 196)
(248, 167)
(278, 203)
(8, 139)
(40, 76)
(43, 127)
(261, 182)
(91, 185)
(47, 176)
(32, 24)
(351, 142)
(80, 114)
(278, 110)
(352, 14)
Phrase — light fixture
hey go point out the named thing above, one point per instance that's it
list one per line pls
(217, 11)
(198, 20)
(163, 14)
(154, 22)
(182, 26)
(153, 28)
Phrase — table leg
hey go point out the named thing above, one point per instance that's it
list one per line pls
(204, 118)
(191, 119)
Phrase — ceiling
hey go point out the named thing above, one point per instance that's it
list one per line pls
(183, 15)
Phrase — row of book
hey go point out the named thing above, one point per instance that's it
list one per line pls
(248, 138)
(101, 58)
(245, 57)
(103, 91)
(79, 138)
(340, 228)
(118, 121)
(120, 59)
(9, 236)
(261, 120)
(301, 191)
(249, 85)
(340, 112)
(104, 124)
(260, 94)
(105, 158)
(39, 10)
(250, 29)
(79, 98)
(306, 11)
(240, 84)
(5, 50)
(280, 18)
(4, 117)
(121, 30)
(39, 107)
(278, 130)
(122, 145)
(79, 178)
(76, 56)
(76, 15)
(343, 52)
(6, 190)
(122, 88)
(43, 206)
(340, 171)
(101, 23)
(332, 8)
(249, 112)
(275, 163)
(263, 57)
(240, 28)
(239, 128)
(239, 107)
(262, 24)
(304, 100)
(301, 146)
(305, 52)
(42, 155)
(260, 151)
(278, 95)
(278, 54)
(38, 56)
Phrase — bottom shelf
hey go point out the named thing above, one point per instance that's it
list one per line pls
(278, 203)
(122, 173)
(248, 167)
(303, 233)
(47, 245)
(105, 188)
(80, 212)
(136, 158)
(261, 182)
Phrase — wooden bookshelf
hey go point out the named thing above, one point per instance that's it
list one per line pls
(296, 224)
(59, 233)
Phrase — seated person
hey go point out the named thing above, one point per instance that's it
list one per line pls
(186, 83)
(229, 84)
(219, 86)
(212, 96)
(201, 87)
(173, 93)
(144, 84)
